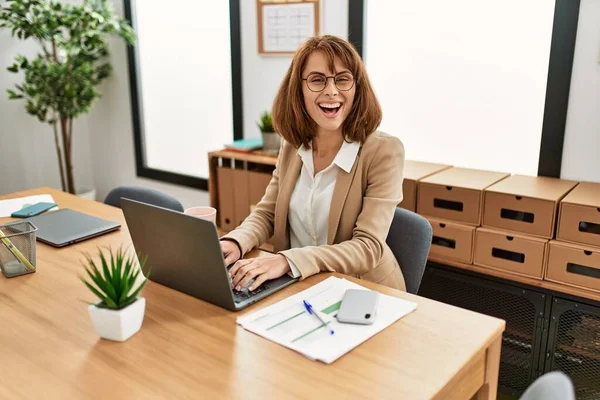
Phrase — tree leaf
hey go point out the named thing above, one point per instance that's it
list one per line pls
(12, 95)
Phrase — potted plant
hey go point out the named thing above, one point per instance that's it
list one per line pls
(120, 312)
(60, 81)
(271, 140)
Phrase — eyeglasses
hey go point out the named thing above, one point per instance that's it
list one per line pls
(317, 82)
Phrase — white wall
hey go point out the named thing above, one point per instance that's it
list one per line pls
(581, 152)
(28, 156)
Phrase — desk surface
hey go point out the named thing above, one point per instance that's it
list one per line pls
(187, 347)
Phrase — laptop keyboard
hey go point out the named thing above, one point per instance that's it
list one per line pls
(244, 294)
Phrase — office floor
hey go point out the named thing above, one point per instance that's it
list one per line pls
(502, 396)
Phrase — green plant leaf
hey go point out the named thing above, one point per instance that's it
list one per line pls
(105, 269)
(117, 277)
(96, 277)
(13, 68)
(128, 302)
(125, 292)
(137, 291)
(12, 95)
(96, 292)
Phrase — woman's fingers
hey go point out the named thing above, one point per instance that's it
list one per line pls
(239, 265)
(260, 279)
(229, 259)
(249, 275)
(242, 271)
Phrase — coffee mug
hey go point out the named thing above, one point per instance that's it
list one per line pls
(207, 213)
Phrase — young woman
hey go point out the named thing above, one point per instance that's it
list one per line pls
(337, 182)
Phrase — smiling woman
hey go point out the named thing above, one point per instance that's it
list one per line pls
(327, 208)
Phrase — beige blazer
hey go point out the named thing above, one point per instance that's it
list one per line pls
(362, 209)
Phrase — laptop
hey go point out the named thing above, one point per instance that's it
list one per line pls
(184, 253)
(65, 226)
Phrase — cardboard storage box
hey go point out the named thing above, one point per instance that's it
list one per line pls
(452, 241)
(414, 171)
(526, 204)
(456, 194)
(573, 265)
(579, 220)
(507, 251)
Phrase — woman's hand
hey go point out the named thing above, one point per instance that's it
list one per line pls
(260, 269)
(231, 251)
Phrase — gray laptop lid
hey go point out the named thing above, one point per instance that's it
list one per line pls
(65, 226)
(183, 251)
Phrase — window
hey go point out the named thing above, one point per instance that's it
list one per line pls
(186, 86)
(469, 83)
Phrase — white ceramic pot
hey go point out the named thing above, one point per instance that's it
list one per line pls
(118, 325)
(89, 194)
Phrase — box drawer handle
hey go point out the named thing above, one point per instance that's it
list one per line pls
(589, 227)
(583, 270)
(448, 204)
(515, 215)
(444, 242)
(508, 255)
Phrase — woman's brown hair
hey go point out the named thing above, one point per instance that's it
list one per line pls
(290, 118)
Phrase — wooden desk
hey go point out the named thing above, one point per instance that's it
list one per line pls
(190, 349)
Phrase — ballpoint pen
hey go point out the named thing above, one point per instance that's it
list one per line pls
(309, 309)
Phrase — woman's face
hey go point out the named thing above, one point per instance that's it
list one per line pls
(330, 106)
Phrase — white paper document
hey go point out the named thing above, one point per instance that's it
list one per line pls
(9, 206)
(289, 324)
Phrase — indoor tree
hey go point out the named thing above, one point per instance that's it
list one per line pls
(60, 82)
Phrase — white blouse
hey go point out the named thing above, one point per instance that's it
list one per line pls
(310, 203)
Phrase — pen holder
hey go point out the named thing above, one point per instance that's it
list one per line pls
(17, 248)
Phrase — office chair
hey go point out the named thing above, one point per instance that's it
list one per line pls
(144, 195)
(555, 385)
(410, 240)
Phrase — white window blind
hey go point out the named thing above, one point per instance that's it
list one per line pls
(185, 82)
(462, 82)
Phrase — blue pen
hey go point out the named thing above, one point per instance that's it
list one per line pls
(309, 309)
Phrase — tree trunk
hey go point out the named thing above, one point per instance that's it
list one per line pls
(66, 136)
(59, 156)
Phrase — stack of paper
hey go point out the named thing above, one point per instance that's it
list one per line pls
(288, 323)
(9, 206)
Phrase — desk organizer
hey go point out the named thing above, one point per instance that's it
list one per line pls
(17, 248)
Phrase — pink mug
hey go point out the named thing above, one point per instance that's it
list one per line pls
(207, 213)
